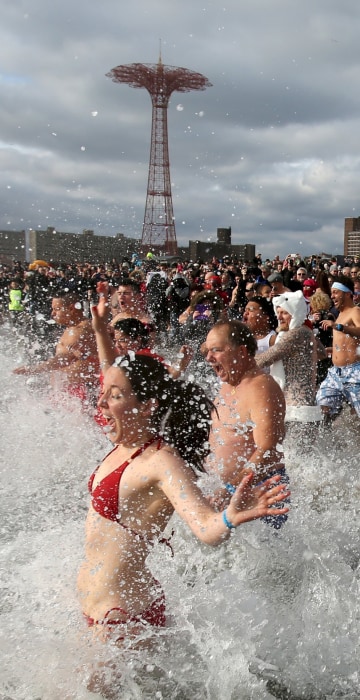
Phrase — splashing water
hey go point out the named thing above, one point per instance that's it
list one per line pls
(266, 615)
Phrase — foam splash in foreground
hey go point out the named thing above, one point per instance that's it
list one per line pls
(267, 615)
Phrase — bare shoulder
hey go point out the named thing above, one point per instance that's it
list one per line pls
(263, 388)
(260, 382)
(166, 453)
(167, 463)
(85, 328)
(83, 332)
(115, 319)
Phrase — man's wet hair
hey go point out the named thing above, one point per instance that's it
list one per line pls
(129, 282)
(67, 295)
(239, 334)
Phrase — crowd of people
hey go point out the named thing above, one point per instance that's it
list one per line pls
(178, 304)
(281, 340)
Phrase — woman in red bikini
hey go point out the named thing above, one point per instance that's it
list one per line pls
(159, 427)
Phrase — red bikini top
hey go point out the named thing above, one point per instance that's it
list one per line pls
(105, 496)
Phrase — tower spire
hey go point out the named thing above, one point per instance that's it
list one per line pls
(158, 232)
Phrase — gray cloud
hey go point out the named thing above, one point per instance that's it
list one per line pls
(271, 149)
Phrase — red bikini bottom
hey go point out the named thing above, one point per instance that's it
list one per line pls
(154, 615)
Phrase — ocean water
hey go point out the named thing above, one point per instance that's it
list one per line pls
(266, 615)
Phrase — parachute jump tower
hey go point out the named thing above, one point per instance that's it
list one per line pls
(158, 233)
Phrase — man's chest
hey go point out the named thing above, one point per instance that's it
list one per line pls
(231, 414)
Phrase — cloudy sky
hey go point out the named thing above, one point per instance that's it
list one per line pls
(272, 149)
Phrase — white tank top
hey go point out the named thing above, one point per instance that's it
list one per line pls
(264, 344)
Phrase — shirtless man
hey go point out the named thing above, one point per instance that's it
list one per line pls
(248, 424)
(75, 353)
(130, 303)
(343, 379)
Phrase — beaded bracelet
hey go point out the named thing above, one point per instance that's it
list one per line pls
(230, 488)
(227, 522)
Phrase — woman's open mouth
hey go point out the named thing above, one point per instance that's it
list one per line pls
(110, 426)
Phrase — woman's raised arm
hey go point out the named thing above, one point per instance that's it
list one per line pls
(248, 502)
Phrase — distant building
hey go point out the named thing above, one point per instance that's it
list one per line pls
(58, 246)
(12, 246)
(352, 237)
(205, 250)
(76, 247)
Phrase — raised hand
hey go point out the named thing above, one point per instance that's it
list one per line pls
(100, 314)
(251, 502)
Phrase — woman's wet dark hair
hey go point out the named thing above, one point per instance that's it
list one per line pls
(183, 415)
(268, 308)
(135, 329)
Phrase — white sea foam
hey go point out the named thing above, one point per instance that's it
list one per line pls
(262, 613)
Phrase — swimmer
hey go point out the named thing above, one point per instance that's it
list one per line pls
(131, 302)
(129, 334)
(248, 424)
(159, 428)
(343, 379)
(75, 353)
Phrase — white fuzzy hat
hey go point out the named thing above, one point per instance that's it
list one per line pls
(294, 303)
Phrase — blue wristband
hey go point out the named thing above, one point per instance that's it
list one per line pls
(227, 522)
(230, 488)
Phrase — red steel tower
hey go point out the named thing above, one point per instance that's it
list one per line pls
(160, 81)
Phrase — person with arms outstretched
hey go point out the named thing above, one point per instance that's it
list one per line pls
(159, 428)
